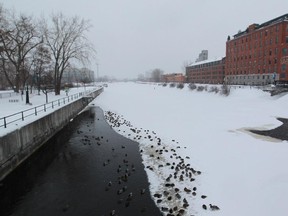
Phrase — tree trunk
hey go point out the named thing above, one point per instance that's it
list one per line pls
(57, 87)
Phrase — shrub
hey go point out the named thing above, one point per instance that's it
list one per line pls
(192, 86)
(225, 90)
(164, 84)
(180, 85)
(214, 89)
(200, 88)
(172, 85)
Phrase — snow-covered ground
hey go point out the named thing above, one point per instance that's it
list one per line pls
(11, 103)
(180, 129)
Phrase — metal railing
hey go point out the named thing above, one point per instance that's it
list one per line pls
(22, 115)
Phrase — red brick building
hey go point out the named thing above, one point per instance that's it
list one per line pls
(174, 77)
(258, 55)
(209, 72)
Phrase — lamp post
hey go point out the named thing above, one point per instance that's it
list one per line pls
(38, 82)
(27, 95)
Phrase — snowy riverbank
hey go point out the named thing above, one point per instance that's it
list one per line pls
(242, 173)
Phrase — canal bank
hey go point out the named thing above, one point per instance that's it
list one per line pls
(88, 169)
(18, 145)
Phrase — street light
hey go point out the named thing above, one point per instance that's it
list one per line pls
(27, 95)
(38, 82)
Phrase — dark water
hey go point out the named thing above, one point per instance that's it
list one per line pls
(71, 174)
(280, 132)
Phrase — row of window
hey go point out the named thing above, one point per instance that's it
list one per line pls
(257, 53)
(230, 59)
(260, 34)
(253, 70)
(252, 77)
(256, 45)
(208, 72)
(242, 68)
(255, 64)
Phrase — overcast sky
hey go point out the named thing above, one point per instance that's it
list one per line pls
(135, 36)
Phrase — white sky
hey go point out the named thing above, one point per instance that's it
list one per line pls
(135, 36)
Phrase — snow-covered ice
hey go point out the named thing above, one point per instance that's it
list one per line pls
(242, 173)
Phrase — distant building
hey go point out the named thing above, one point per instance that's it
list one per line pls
(202, 56)
(174, 77)
(258, 55)
(209, 72)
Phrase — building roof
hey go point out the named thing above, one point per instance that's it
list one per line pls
(206, 61)
(257, 26)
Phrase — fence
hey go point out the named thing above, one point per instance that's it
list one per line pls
(22, 115)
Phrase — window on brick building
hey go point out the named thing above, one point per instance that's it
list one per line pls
(283, 67)
(286, 39)
(284, 51)
(276, 39)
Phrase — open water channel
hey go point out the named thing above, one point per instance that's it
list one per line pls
(86, 169)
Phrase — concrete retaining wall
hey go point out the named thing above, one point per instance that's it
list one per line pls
(18, 145)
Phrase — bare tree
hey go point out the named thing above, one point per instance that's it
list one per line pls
(156, 75)
(18, 37)
(141, 77)
(40, 64)
(67, 41)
